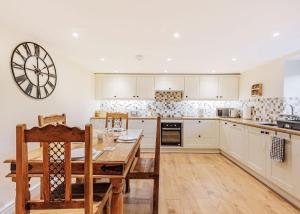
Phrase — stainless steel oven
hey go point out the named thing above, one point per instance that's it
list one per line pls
(171, 133)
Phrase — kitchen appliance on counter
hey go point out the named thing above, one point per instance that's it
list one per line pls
(247, 113)
(171, 133)
(289, 124)
(227, 112)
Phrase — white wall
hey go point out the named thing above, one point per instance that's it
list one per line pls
(292, 78)
(271, 74)
(74, 95)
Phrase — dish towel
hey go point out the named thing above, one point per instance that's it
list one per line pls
(277, 149)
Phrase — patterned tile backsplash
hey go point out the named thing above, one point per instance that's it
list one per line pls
(264, 109)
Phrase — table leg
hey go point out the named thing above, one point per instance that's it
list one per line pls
(117, 196)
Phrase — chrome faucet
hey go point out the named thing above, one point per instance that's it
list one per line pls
(292, 109)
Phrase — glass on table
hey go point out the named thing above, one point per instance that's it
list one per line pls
(108, 137)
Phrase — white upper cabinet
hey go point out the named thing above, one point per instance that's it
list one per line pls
(208, 87)
(145, 87)
(119, 87)
(219, 87)
(169, 83)
(191, 87)
(228, 87)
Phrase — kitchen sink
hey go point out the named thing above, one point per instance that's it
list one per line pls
(289, 124)
(267, 124)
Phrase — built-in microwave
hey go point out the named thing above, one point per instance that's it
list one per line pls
(223, 112)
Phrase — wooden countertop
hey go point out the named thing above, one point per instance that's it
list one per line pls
(232, 120)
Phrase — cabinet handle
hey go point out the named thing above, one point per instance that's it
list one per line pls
(137, 96)
(143, 121)
(217, 97)
(199, 136)
(262, 132)
(199, 121)
(220, 96)
(226, 123)
(186, 96)
(115, 96)
(267, 132)
(134, 96)
(169, 88)
(234, 125)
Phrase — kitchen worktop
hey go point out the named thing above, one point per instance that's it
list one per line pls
(251, 123)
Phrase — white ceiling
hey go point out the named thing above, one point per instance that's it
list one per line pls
(212, 32)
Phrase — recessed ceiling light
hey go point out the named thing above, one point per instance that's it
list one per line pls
(169, 59)
(176, 35)
(116, 71)
(165, 71)
(234, 59)
(276, 34)
(75, 34)
(213, 71)
(102, 59)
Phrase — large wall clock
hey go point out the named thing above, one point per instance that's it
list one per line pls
(33, 70)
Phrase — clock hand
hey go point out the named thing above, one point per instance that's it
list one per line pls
(30, 69)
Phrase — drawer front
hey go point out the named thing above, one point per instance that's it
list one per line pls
(208, 143)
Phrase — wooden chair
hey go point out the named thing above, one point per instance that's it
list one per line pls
(58, 191)
(52, 119)
(148, 168)
(116, 118)
(47, 120)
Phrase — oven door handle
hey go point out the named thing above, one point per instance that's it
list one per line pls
(171, 129)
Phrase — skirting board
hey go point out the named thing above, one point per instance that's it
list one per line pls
(294, 201)
(9, 208)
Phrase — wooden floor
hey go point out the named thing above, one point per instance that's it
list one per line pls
(204, 183)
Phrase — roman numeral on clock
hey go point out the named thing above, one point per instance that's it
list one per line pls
(19, 53)
(27, 49)
(29, 88)
(21, 79)
(38, 92)
(51, 84)
(18, 66)
(36, 50)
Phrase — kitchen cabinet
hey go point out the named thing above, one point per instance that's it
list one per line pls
(149, 131)
(228, 87)
(145, 87)
(281, 173)
(218, 87)
(201, 134)
(295, 143)
(258, 140)
(191, 87)
(117, 87)
(169, 83)
(208, 87)
(225, 136)
(238, 142)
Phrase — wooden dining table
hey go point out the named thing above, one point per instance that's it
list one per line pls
(113, 165)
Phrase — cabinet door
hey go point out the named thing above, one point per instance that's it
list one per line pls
(120, 87)
(224, 136)
(228, 87)
(145, 87)
(149, 131)
(257, 150)
(281, 173)
(98, 86)
(296, 163)
(169, 83)
(201, 134)
(191, 87)
(238, 142)
(208, 87)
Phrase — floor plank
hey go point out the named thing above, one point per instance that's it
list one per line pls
(204, 183)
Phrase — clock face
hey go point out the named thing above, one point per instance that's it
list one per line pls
(33, 70)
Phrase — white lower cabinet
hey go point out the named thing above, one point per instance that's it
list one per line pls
(281, 173)
(201, 134)
(149, 131)
(225, 136)
(296, 165)
(237, 142)
(258, 140)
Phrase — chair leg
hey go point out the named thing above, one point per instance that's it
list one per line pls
(107, 208)
(127, 186)
(155, 196)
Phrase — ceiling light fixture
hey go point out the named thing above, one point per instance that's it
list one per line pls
(234, 59)
(176, 35)
(169, 59)
(276, 34)
(116, 71)
(213, 71)
(75, 34)
(102, 59)
(165, 71)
